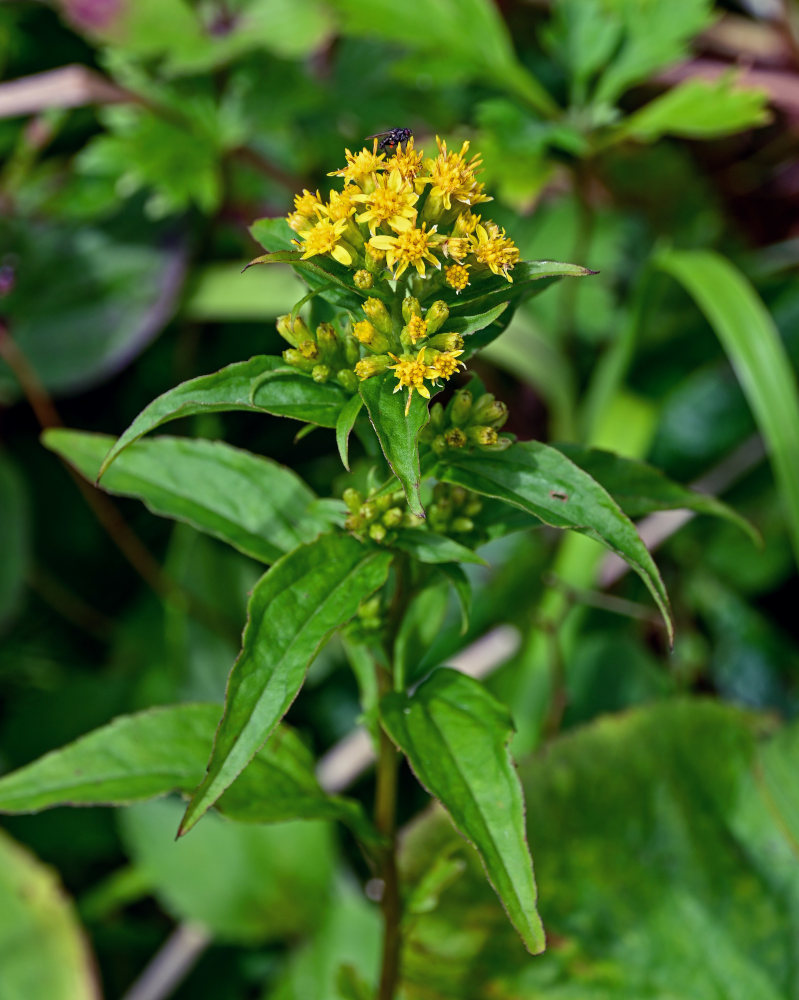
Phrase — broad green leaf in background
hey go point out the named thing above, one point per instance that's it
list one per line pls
(639, 488)
(698, 109)
(455, 736)
(397, 433)
(220, 292)
(86, 301)
(294, 608)
(245, 883)
(539, 479)
(468, 37)
(752, 343)
(262, 384)
(666, 861)
(162, 750)
(14, 538)
(42, 949)
(256, 505)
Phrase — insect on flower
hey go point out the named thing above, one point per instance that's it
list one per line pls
(392, 137)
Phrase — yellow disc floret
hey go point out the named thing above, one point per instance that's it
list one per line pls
(446, 363)
(390, 203)
(411, 372)
(408, 161)
(452, 176)
(325, 237)
(412, 247)
(361, 165)
(457, 276)
(494, 249)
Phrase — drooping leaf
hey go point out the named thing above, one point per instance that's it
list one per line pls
(639, 488)
(162, 750)
(43, 950)
(542, 481)
(397, 432)
(247, 883)
(752, 343)
(262, 384)
(256, 505)
(429, 547)
(455, 736)
(346, 421)
(293, 609)
(648, 829)
(698, 109)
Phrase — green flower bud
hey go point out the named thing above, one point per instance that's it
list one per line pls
(439, 444)
(460, 407)
(298, 360)
(370, 608)
(378, 316)
(502, 442)
(458, 496)
(481, 435)
(490, 411)
(377, 532)
(352, 498)
(368, 511)
(461, 525)
(347, 380)
(447, 342)
(455, 438)
(437, 315)
(309, 350)
(371, 338)
(375, 260)
(393, 517)
(363, 280)
(410, 307)
(321, 373)
(473, 507)
(329, 344)
(436, 417)
(295, 333)
(352, 352)
(376, 365)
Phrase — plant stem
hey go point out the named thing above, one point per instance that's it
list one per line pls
(385, 821)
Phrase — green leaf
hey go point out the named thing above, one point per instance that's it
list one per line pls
(542, 481)
(397, 433)
(455, 736)
(429, 547)
(462, 590)
(261, 385)
(466, 325)
(698, 109)
(44, 952)
(294, 607)
(162, 750)
(219, 293)
(752, 343)
(649, 829)
(256, 505)
(530, 277)
(246, 883)
(640, 489)
(469, 36)
(14, 538)
(346, 421)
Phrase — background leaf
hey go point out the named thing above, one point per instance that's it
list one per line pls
(455, 736)
(14, 538)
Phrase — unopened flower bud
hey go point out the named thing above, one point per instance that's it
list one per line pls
(455, 438)
(436, 417)
(481, 435)
(461, 525)
(374, 259)
(439, 444)
(393, 517)
(352, 353)
(352, 498)
(377, 532)
(458, 496)
(375, 365)
(363, 280)
(328, 341)
(473, 507)
(490, 411)
(309, 350)
(461, 407)
(298, 360)
(378, 316)
(295, 333)
(347, 379)
(369, 609)
(320, 373)
(447, 342)
(410, 308)
(437, 315)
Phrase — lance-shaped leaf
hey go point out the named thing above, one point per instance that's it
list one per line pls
(466, 325)
(430, 547)
(530, 277)
(542, 481)
(455, 736)
(293, 609)
(640, 489)
(397, 432)
(263, 385)
(346, 421)
(256, 505)
(162, 750)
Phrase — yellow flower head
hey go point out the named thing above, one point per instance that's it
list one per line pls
(390, 202)
(494, 249)
(407, 161)
(446, 363)
(361, 165)
(413, 246)
(325, 237)
(417, 328)
(342, 203)
(412, 372)
(306, 208)
(451, 175)
(457, 276)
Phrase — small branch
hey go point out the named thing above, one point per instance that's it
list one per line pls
(171, 964)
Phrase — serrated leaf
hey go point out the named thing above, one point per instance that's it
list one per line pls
(455, 736)
(294, 607)
(698, 109)
(344, 424)
(231, 388)
(640, 489)
(162, 750)
(397, 432)
(43, 949)
(542, 481)
(430, 547)
(256, 505)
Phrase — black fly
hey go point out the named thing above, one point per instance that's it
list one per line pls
(391, 137)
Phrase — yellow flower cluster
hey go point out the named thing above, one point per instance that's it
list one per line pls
(406, 211)
(404, 223)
